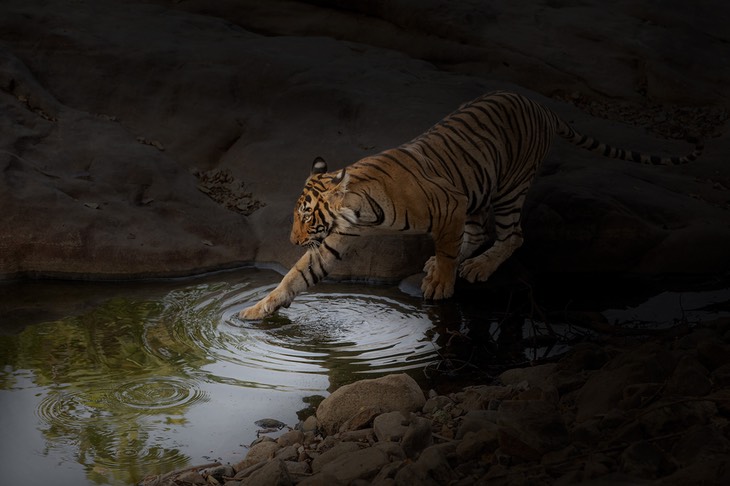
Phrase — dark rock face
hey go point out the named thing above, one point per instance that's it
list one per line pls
(166, 138)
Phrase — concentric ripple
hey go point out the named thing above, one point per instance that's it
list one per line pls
(159, 393)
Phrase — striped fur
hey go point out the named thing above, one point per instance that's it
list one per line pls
(481, 158)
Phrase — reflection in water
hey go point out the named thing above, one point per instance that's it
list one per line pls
(138, 385)
(141, 379)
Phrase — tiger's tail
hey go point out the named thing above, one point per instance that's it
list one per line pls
(590, 143)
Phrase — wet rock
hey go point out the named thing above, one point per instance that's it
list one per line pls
(393, 393)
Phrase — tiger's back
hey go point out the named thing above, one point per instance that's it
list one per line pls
(480, 159)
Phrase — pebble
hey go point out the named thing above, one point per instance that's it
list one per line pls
(665, 421)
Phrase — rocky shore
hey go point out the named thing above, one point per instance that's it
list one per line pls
(625, 411)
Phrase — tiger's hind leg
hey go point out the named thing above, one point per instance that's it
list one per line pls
(508, 238)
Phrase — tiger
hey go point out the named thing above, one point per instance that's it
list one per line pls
(479, 159)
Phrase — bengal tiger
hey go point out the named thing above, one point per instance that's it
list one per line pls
(481, 157)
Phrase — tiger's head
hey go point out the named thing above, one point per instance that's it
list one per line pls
(320, 209)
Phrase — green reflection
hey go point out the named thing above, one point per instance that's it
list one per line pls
(114, 383)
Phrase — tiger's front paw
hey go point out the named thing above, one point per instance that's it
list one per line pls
(439, 282)
(254, 313)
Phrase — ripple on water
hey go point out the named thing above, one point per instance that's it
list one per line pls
(157, 394)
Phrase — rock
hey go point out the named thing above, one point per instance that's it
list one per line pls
(257, 453)
(701, 441)
(645, 460)
(338, 450)
(290, 438)
(478, 397)
(361, 419)
(690, 378)
(438, 402)
(321, 479)
(604, 389)
(721, 376)
(535, 376)
(417, 436)
(360, 464)
(668, 415)
(476, 420)
(310, 424)
(390, 427)
(477, 443)
(391, 393)
(535, 422)
(274, 473)
(712, 353)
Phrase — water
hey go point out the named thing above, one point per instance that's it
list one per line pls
(109, 383)
(132, 380)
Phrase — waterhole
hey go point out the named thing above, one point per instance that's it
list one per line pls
(109, 383)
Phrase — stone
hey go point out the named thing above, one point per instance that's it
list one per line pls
(274, 473)
(297, 468)
(535, 376)
(535, 422)
(310, 424)
(332, 454)
(712, 353)
(390, 427)
(438, 402)
(700, 441)
(258, 452)
(645, 460)
(321, 479)
(360, 464)
(721, 376)
(604, 389)
(417, 436)
(290, 438)
(362, 419)
(476, 420)
(478, 397)
(474, 444)
(288, 453)
(397, 392)
(690, 378)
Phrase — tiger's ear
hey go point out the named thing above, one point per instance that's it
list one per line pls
(337, 192)
(341, 180)
(319, 166)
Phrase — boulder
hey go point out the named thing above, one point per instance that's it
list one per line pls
(397, 392)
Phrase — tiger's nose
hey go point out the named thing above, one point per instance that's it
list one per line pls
(295, 240)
